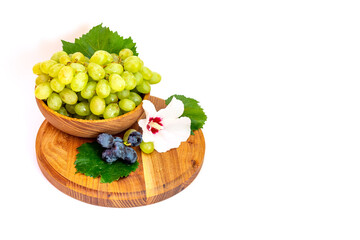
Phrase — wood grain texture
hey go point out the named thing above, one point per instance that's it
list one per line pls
(158, 177)
(90, 128)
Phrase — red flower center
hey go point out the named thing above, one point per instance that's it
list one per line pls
(154, 124)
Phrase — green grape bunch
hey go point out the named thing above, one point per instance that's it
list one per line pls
(105, 86)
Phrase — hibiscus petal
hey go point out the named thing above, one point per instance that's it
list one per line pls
(149, 108)
(174, 110)
(175, 131)
(178, 128)
(147, 135)
(163, 143)
(142, 123)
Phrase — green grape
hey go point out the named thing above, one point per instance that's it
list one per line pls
(56, 56)
(46, 65)
(127, 134)
(144, 87)
(127, 74)
(78, 116)
(136, 91)
(146, 73)
(103, 88)
(56, 85)
(65, 59)
(79, 82)
(41, 79)
(112, 90)
(101, 57)
(109, 58)
(96, 72)
(77, 57)
(92, 117)
(114, 68)
(138, 77)
(54, 70)
(132, 64)
(66, 75)
(43, 91)
(127, 105)
(82, 109)
(130, 83)
(156, 78)
(135, 98)
(147, 147)
(117, 83)
(78, 67)
(115, 57)
(68, 96)
(70, 108)
(125, 53)
(97, 105)
(54, 101)
(123, 94)
(112, 110)
(89, 90)
(36, 69)
(130, 80)
(112, 98)
(63, 111)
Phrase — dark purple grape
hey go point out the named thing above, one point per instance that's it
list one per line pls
(105, 140)
(130, 156)
(109, 156)
(119, 149)
(134, 138)
(118, 139)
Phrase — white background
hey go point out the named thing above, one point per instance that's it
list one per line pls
(279, 81)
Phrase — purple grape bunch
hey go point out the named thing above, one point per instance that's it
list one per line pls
(118, 149)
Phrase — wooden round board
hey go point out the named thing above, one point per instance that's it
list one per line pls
(158, 177)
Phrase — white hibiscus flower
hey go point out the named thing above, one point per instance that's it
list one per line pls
(165, 128)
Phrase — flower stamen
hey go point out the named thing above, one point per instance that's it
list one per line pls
(154, 125)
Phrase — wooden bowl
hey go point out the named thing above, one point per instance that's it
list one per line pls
(90, 128)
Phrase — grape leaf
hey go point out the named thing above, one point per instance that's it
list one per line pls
(192, 110)
(89, 162)
(99, 38)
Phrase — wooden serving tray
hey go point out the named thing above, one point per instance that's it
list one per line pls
(158, 177)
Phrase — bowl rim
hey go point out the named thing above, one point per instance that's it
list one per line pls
(42, 103)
